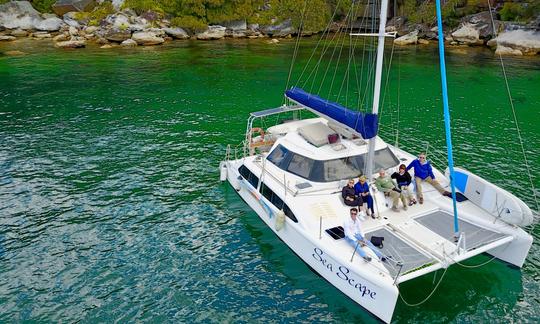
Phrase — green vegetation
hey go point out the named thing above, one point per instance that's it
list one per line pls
(313, 14)
(422, 11)
(100, 12)
(520, 11)
(43, 5)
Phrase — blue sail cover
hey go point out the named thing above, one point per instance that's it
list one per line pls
(365, 124)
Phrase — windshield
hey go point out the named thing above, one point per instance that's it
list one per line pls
(329, 170)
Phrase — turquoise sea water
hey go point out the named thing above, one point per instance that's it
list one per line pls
(111, 208)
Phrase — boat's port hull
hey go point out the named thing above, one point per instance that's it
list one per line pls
(373, 291)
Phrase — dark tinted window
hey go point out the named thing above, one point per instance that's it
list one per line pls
(249, 176)
(278, 156)
(276, 201)
(289, 213)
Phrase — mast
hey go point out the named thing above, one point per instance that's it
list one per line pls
(378, 78)
(447, 116)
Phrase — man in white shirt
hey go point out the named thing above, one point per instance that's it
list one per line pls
(354, 235)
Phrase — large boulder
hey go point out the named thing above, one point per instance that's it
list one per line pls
(73, 19)
(467, 35)
(147, 38)
(117, 35)
(128, 43)
(213, 32)
(19, 33)
(482, 23)
(503, 50)
(282, 29)
(19, 14)
(235, 28)
(50, 24)
(7, 38)
(527, 42)
(63, 6)
(71, 44)
(176, 32)
(409, 39)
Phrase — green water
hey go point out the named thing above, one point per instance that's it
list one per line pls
(111, 208)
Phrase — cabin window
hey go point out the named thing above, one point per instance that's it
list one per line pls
(300, 165)
(249, 176)
(384, 159)
(278, 155)
(330, 170)
(275, 200)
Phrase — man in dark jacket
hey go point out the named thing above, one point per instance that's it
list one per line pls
(424, 172)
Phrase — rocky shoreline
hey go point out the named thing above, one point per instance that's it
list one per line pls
(18, 19)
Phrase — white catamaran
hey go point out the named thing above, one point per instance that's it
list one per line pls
(291, 175)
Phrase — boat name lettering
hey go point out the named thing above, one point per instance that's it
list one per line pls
(343, 273)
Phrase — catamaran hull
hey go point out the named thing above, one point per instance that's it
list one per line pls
(374, 292)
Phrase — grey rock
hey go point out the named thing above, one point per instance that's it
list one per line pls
(213, 32)
(117, 35)
(177, 32)
(70, 19)
(19, 14)
(527, 42)
(467, 34)
(129, 43)
(503, 50)
(7, 38)
(283, 29)
(147, 38)
(41, 35)
(235, 25)
(19, 33)
(50, 24)
(71, 44)
(409, 39)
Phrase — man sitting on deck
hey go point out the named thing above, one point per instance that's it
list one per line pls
(385, 184)
(424, 172)
(354, 235)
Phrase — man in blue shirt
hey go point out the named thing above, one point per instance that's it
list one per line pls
(424, 172)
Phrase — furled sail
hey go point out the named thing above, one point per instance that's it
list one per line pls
(365, 124)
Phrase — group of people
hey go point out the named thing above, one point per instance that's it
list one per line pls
(397, 187)
(356, 195)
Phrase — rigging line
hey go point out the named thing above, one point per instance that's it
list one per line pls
(346, 76)
(360, 99)
(428, 297)
(333, 53)
(398, 93)
(323, 52)
(326, 31)
(336, 69)
(514, 114)
(296, 46)
(387, 82)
